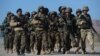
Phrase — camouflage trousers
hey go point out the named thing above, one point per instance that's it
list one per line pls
(19, 41)
(66, 41)
(77, 38)
(32, 40)
(9, 38)
(41, 40)
(59, 40)
(52, 38)
(87, 34)
(5, 41)
(27, 46)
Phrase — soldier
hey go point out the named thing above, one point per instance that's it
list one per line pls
(41, 30)
(4, 26)
(86, 30)
(61, 26)
(53, 29)
(18, 24)
(77, 35)
(27, 32)
(32, 26)
(6, 31)
(11, 34)
(69, 39)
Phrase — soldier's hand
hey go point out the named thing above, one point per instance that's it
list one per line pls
(18, 23)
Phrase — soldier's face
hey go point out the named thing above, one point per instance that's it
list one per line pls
(33, 15)
(53, 15)
(63, 11)
(78, 13)
(12, 17)
(41, 10)
(9, 16)
(67, 13)
(19, 13)
(85, 11)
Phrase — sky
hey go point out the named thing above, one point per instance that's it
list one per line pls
(32, 5)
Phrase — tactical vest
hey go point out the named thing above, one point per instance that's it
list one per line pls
(21, 20)
(53, 25)
(69, 21)
(86, 23)
(42, 22)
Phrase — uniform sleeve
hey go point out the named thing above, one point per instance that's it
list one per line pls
(4, 24)
(90, 21)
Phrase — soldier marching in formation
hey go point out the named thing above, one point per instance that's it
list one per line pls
(44, 32)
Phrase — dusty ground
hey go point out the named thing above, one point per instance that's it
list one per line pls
(97, 49)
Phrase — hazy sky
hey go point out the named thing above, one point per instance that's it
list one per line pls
(31, 5)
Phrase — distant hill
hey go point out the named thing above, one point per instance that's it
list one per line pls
(96, 25)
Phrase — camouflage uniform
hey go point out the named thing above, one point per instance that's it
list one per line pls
(41, 30)
(11, 34)
(53, 30)
(5, 31)
(32, 33)
(61, 27)
(27, 32)
(8, 33)
(77, 32)
(19, 41)
(86, 31)
(69, 37)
